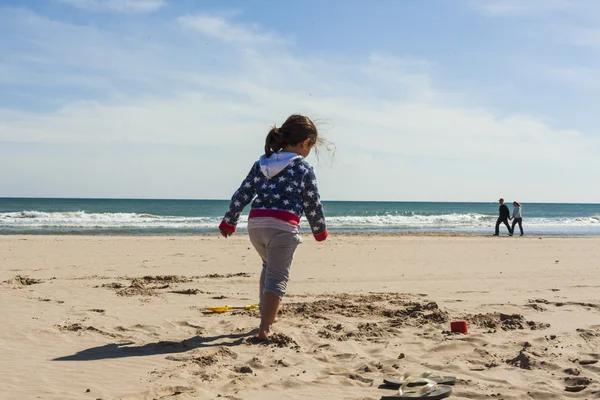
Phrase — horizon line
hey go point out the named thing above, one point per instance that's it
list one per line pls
(337, 201)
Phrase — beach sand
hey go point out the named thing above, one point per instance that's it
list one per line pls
(121, 317)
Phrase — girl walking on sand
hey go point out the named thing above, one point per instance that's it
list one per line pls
(282, 186)
(517, 217)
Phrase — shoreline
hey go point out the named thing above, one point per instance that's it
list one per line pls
(303, 234)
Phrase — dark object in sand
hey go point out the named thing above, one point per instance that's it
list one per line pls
(186, 291)
(430, 390)
(440, 380)
(575, 389)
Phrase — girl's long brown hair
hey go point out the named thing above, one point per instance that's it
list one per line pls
(296, 129)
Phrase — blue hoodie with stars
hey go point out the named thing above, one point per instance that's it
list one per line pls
(281, 186)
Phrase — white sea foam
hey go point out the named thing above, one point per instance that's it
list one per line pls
(81, 219)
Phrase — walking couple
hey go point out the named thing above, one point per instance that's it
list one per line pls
(505, 216)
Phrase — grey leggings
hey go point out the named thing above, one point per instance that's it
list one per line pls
(276, 249)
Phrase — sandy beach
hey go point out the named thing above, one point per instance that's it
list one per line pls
(106, 317)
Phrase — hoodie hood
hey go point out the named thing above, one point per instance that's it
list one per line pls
(271, 166)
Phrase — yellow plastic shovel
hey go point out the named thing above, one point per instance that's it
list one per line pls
(227, 308)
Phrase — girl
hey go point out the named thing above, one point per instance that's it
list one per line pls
(517, 217)
(282, 186)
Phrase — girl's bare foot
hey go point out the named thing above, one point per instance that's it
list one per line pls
(269, 315)
(264, 333)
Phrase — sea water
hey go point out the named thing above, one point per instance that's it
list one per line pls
(151, 217)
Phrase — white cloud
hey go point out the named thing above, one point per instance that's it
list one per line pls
(585, 37)
(120, 6)
(195, 114)
(583, 78)
(221, 28)
(502, 8)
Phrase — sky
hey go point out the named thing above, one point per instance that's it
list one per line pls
(429, 100)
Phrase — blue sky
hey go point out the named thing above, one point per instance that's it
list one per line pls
(464, 100)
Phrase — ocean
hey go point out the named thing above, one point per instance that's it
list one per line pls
(172, 217)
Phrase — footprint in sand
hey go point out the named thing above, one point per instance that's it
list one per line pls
(187, 324)
(23, 281)
(256, 363)
(77, 327)
(275, 340)
(163, 392)
(49, 300)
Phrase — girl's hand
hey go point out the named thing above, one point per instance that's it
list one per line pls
(225, 233)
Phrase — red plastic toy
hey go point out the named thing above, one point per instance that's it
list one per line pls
(459, 326)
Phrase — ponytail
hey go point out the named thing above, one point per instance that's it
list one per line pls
(274, 141)
(296, 129)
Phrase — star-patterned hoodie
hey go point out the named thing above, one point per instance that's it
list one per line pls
(282, 186)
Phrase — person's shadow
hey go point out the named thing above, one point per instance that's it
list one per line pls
(121, 350)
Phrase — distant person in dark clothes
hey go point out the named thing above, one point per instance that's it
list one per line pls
(503, 218)
(517, 216)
